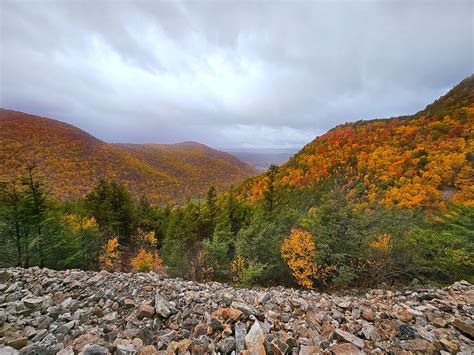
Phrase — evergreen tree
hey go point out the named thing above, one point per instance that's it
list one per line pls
(237, 212)
(14, 232)
(443, 250)
(337, 235)
(112, 206)
(35, 198)
(208, 213)
(219, 248)
(270, 195)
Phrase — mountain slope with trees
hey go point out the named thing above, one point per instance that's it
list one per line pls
(382, 201)
(70, 161)
(422, 160)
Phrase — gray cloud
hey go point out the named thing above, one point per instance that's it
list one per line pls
(229, 74)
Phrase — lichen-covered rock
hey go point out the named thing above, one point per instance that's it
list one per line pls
(33, 302)
(17, 343)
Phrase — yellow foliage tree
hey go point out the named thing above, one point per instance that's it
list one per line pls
(78, 223)
(146, 238)
(382, 243)
(146, 261)
(237, 268)
(299, 252)
(110, 257)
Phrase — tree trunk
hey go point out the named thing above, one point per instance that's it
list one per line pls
(19, 256)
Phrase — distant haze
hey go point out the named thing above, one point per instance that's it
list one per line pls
(229, 74)
(261, 159)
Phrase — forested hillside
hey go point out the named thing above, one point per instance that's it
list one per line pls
(70, 161)
(382, 201)
(422, 160)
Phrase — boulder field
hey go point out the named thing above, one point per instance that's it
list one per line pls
(45, 311)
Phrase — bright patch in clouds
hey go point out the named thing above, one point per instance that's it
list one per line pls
(231, 75)
(261, 136)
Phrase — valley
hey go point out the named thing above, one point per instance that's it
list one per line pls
(236, 177)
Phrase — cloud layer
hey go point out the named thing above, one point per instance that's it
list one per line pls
(229, 74)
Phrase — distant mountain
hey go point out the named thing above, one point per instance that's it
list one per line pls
(261, 159)
(421, 160)
(72, 161)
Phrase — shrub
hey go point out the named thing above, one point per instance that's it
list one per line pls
(110, 257)
(299, 252)
(245, 273)
(146, 261)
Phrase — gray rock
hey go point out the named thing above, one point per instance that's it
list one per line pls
(166, 339)
(35, 349)
(407, 332)
(369, 332)
(8, 350)
(5, 276)
(246, 309)
(163, 307)
(29, 332)
(125, 349)
(3, 317)
(66, 351)
(48, 340)
(95, 280)
(226, 345)
(55, 348)
(240, 333)
(33, 302)
(425, 334)
(93, 349)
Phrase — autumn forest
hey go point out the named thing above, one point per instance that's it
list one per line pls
(370, 202)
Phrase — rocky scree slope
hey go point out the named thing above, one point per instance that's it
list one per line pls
(68, 312)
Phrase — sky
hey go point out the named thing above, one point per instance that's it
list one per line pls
(230, 74)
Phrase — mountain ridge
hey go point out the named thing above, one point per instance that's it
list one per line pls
(71, 161)
(405, 161)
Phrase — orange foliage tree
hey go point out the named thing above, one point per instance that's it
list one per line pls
(382, 243)
(146, 261)
(299, 252)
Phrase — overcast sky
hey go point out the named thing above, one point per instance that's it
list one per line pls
(229, 74)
